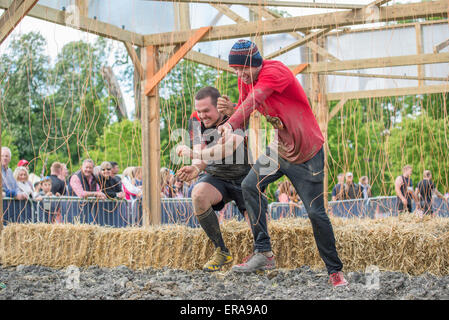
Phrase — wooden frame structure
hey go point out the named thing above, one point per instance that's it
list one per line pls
(263, 22)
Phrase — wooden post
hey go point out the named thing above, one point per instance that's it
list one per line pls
(151, 143)
(321, 111)
(419, 50)
(255, 143)
(83, 7)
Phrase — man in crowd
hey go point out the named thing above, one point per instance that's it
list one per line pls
(424, 192)
(351, 189)
(225, 163)
(270, 87)
(58, 186)
(337, 191)
(9, 184)
(115, 171)
(84, 184)
(403, 186)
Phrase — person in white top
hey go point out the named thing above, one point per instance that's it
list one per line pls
(25, 186)
(129, 184)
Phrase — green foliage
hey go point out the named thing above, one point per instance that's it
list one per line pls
(54, 111)
(376, 138)
(120, 142)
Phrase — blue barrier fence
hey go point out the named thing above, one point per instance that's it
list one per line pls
(180, 211)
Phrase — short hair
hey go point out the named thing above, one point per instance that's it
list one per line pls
(340, 175)
(17, 171)
(113, 164)
(211, 92)
(427, 174)
(56, 167)
(105, 164)
(406, 167)
(7, 149)
(89, 160)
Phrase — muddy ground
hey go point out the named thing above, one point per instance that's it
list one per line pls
(120, 283)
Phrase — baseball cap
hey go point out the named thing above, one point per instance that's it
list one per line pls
(22, 163)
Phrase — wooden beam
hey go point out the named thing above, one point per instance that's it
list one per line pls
(271, 3)
(337, 108)
(309, 22)
(86, 24)
(151, 143)
(83, 7)
(182, 16)
(419, 50)
(299, 68)
(298, 43)
(171, 63)
(228, 12)
(268, 14)
(255, 136)
(11, 17)
(388, 92)
(384, 76)
(396, 61)
(203, 59)
(387, 27)
(378, 3)
(441, 46)
(271, 15)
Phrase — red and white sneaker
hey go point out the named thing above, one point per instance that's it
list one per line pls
(337, 279)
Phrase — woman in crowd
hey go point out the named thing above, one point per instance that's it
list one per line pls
(366, 188)
(112, 188)
(165, 183)
(138, 176)
(284, 191)
(132, 191)
(25, 186)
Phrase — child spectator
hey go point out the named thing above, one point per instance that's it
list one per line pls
(132, 191)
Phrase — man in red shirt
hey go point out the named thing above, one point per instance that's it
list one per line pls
(297, 152)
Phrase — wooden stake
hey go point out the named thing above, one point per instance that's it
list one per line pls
(151, 201)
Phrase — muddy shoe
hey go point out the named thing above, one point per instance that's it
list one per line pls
(256, 262)
(218, 259)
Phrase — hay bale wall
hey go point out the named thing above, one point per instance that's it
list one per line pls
(405, 244)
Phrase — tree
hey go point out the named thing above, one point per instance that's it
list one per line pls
(121, 142)
(24, 73)
(79, 108)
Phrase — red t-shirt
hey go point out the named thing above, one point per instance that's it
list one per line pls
(277, 93)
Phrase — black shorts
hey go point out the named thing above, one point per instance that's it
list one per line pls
(229, 189)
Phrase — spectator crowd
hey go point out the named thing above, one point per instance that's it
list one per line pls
(104, 182)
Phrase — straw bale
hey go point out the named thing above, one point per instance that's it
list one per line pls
(406, 243)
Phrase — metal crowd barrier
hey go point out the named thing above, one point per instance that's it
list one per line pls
(123, 213)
